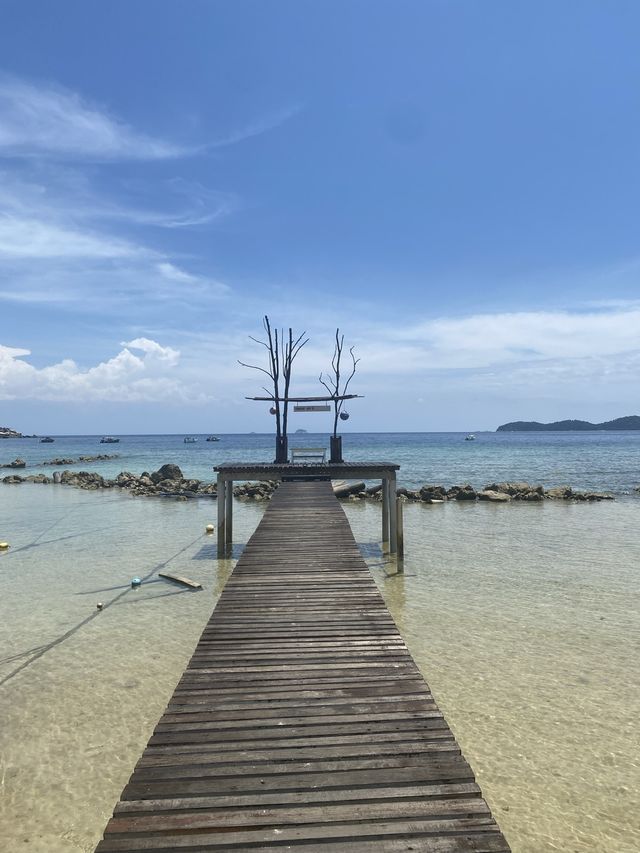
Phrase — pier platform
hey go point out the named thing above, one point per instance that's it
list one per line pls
(302, 722)
(231, 472)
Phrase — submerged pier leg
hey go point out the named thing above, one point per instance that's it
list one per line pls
(393, 518)
(400, 534)
(228, 516)
(385, 513)
(222, 503)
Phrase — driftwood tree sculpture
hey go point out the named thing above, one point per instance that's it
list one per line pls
(282, 351)
(336, 385)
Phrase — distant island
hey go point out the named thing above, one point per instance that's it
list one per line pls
(628, 422)
(7, 432)
(300, 430)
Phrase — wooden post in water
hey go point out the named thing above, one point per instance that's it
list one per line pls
(221, 499)
(393, 518)
(228, 515)
(385, 514)
(400, 531)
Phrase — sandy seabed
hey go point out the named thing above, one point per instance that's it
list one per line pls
(523, 619)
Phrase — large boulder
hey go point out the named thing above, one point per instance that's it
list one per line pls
(432, 493)
(17, 463)
(408, 494)
(125, 479)
(496, 497)
(248, 491)
(13, 478)
(462, 493)
(167, 472)
(560, 492)
(347, 489)
(515, 489)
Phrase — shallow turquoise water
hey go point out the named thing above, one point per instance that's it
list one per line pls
(523, 618)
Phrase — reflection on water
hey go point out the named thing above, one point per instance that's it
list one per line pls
(521, 617)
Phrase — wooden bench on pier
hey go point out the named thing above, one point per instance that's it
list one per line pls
(302, 722)
(317, 454)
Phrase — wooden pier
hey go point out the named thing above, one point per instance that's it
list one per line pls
(231, 472)
(302, 722)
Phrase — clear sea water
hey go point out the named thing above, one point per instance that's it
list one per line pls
(593, 460)
(523, 618)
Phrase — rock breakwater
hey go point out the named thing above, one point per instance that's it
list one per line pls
(168, 481)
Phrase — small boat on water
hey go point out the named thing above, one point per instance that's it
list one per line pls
(190, 439)
(46, 440)
(109, 439)
(470, 437)
(213, 438)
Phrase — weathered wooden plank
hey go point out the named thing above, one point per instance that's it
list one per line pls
(417, 792)
(301, 720)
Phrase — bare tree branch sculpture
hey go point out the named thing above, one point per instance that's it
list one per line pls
(281, 355)
(333, 381)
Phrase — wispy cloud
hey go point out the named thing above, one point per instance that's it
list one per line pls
(257, 127)
(38, 120)
(188, 281)
(22, 238)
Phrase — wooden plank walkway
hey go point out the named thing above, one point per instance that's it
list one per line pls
(302, 721)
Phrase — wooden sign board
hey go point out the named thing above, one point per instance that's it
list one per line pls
(323, 408)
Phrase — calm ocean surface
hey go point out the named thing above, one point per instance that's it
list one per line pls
(594, 460)
(523, 618)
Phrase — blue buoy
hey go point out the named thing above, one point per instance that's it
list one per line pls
(135, 582)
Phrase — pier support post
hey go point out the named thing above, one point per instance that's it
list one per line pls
(400, 532)
(393, 518)
(228, 516)
(221, 500)
(385, 513)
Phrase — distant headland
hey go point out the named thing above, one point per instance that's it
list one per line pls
(628, 422)
(7, 432)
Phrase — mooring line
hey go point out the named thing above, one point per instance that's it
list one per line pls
(42, 650)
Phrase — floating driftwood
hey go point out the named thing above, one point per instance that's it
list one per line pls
(179, 579)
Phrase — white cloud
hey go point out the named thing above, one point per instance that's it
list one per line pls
(61, 194)
(36, 240)
(257, 127)
(42, 119)
(483, 341)
(127, 377)
(187, 280)
(165, 354)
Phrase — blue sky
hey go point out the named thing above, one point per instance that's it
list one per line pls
(453, 184)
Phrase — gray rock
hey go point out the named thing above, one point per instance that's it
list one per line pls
(514, 488)
(167, 472)
(429, 493)
(496, 497)
(462, 493)
(559, 492)
(17, 463)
